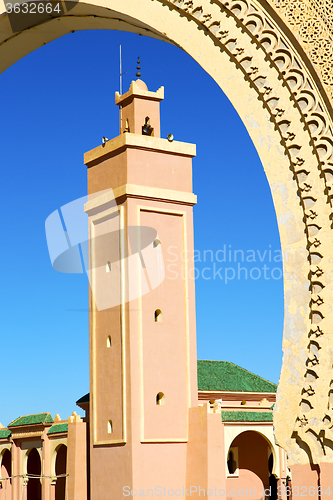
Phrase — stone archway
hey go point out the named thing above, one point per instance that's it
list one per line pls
(60, 471)
(6, 474)
(274, 61)
(34, 470)
(251, 470)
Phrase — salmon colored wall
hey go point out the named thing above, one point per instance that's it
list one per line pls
(16, 470)
(160, 170)
(164, 345)
(197, 451)
(106, 480)
(216, 457)
(110, 470)
(142, 167)
(304, 477)
(99, 177)
(205, 453)
(108, 399)
(159, 465)
(46, 461)
(326, 480)
(157, 294)
(247, 485)
(136, 113)
(107, 376)
(77, 460)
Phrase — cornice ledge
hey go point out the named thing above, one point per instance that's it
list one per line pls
(141, 192)
(129, 140)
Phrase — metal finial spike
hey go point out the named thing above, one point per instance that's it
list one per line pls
(138, 74)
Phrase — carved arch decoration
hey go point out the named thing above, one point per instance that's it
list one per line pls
(274, 60)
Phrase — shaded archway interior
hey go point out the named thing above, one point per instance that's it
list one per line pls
(60, 472)
(250, 464)
(34, 468)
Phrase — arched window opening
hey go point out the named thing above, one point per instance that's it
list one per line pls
(110, 427)
(109, 341)
(60, 471)
(6, 472)
(6, 464)
(156, 243)
(34, 488)
(231, 462)
(126, 129)
(160, 399)
(158, 316)
(147, 129)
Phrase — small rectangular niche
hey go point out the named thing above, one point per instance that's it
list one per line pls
(108, 266)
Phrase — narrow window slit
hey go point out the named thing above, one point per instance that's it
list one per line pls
(158, 316)
(160, 399)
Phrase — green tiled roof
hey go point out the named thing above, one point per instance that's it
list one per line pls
(246, 416)
(58, 428)
(4, 433)
(37, 418)
(226, 376)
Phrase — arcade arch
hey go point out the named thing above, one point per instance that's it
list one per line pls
(60, 472)
(284, 97)
(34, 470)
(265, 433)
(250, 469)
(5, 472)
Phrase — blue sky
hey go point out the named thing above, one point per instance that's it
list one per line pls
(58, 102)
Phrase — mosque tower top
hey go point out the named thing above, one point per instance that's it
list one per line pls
(140, 109)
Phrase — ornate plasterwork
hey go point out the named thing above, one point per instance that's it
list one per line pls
(307, 135)
(311, 21)
(324, 8)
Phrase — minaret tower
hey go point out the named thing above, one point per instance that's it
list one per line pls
(142, 320)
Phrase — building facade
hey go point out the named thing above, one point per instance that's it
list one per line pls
(147, 427)
(46, 458)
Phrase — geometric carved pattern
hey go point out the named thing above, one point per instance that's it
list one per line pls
(314, 423)
(311, 21)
